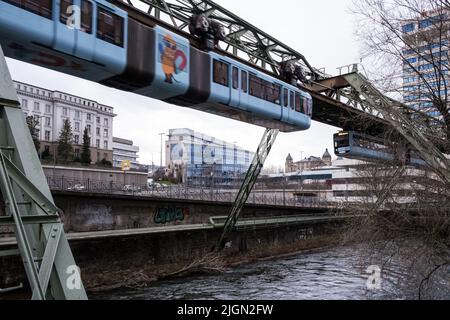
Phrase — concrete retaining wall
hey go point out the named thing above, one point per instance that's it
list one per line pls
(95, 212)
(114, 262)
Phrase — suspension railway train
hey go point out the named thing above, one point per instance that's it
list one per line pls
(360, 146)
(107, 46)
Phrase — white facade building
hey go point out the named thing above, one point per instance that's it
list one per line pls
(51, 108)
(124, 150)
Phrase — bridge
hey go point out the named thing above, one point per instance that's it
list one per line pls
(343, 101)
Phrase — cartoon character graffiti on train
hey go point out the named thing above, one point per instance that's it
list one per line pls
(173, 59)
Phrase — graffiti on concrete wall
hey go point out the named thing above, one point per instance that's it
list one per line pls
(170, 214)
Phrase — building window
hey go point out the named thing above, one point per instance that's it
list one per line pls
(47, 135)
(36, 106)
(88, 127)
(105, 144)
(98, 120)
(37, 119)
(48, 108)
(105, 133)
(77, 153)
(47, 121)
(65, 111)
(97, 143)
(106, 122)
(408, 27)
(77, 114)
(97, 130)
(89, 117)
(25, 103)
(220, 74)
(77, 126)
(76, 139)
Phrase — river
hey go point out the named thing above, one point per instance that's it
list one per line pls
(335, 273)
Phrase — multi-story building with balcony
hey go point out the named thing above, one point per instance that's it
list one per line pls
(426, 59)
(51, 108)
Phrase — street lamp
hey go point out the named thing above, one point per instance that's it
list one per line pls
(161, 134)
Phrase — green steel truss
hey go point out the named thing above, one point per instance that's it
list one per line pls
(29, 206)
(246, 188)
(243, 39)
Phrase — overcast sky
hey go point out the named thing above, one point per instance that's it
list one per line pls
(322, 31)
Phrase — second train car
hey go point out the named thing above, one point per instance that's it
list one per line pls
(353, 145)
(98, 41)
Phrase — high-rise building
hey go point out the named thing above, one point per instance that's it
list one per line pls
(193, 154)
(426, 51)
(50, 108)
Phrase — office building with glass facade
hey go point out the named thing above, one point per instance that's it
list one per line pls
(192, 154)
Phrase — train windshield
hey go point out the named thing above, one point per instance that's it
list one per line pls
(341, 140)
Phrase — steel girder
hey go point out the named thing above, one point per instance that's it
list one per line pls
(246, 188)
(244, 40)
(29, 206)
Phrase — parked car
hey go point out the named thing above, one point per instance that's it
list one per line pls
(130, 188)
(77, 187)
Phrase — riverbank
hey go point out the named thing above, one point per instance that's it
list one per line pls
(143, 276)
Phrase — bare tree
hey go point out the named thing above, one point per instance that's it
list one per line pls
(406, 46)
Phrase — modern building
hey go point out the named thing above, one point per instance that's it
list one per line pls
(50, 108)
(426, 46)
(124, 150)
(191, 154)
(307, 163)
(345, 181)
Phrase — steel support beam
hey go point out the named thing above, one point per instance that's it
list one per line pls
(246, 188)
(43, 246)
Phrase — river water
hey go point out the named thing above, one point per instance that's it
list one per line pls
(335, 273)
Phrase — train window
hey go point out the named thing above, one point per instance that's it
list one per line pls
(244, 81)
(291, 99)
(235, 78)
(298, 101)
(265, 90)
(304, 105)
(64, 10)
(110, 27)
(39, 7)
(86, 16)
(220, 73)
(273, 93)
(286, 97)
(256, 87)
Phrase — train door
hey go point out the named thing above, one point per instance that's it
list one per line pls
(285, 110)
(85, 35)
(235, 91)
(243, 99)
(65, 26)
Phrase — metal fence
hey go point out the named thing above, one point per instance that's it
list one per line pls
(260, 195)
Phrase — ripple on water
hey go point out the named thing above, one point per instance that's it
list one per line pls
(337, 273)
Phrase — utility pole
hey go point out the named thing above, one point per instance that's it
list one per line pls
(161, 161)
